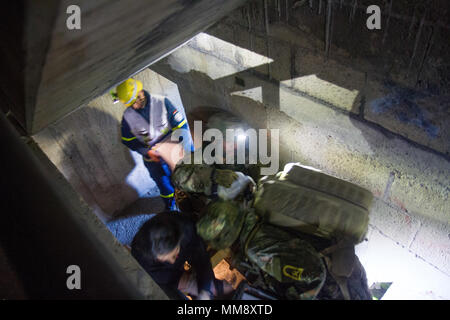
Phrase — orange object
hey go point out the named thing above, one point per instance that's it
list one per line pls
(153, 154)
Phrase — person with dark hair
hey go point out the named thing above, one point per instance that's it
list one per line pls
(168, 242)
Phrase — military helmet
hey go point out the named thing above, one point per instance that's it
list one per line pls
(193, 178)
(221, 224)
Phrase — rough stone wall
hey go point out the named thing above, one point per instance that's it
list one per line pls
(400, 73)
(371, 113)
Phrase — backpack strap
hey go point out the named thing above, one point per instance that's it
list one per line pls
(340, 244)
(341, 281)
(214, 184)
(340, 260)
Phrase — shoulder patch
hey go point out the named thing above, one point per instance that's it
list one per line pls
(178, 116)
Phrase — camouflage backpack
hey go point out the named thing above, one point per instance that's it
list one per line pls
(210, 181)
(292, 267)
(196, 178)
(314, 203)
(221, 225)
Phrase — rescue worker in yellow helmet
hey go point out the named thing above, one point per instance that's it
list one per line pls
(147, 120)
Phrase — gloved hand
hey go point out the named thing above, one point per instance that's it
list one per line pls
(225, 178)
(153, 154)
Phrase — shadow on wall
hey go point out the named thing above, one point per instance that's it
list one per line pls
(143, 206)
(275, 84)
(313, 86)
(282, 69)
(86, 147)
(269, 71)
(322, 109)
(287, 78)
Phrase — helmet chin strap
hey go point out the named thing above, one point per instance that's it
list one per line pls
(133, 96)
(114, 96)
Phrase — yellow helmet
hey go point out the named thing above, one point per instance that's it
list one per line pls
(127, 91)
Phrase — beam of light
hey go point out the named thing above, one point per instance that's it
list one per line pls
(253, 93)
(320, 90)
(214, 57)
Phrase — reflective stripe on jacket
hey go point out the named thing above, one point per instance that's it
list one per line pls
(143, 128)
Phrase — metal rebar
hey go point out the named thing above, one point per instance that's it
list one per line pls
(427, 52)
(269, 65)
(266, 17)
(287, 10)
(353, 11)
(387, 22)
(416, 44)
(403, 17)
(328, 27)
(411, 26)
(279, 9)
(249, 20)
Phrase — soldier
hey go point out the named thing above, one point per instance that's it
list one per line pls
(165, 245)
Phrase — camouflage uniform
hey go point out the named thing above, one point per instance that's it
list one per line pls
(196, 184)
(292, 267)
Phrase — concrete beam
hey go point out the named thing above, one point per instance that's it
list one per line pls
(57, 70)
(46, 227)
(26, 35)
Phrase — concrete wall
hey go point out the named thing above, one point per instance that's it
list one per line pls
(49, 72)
(344, 112)
(46, 227)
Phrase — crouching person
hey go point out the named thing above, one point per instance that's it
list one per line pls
(167, 245)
